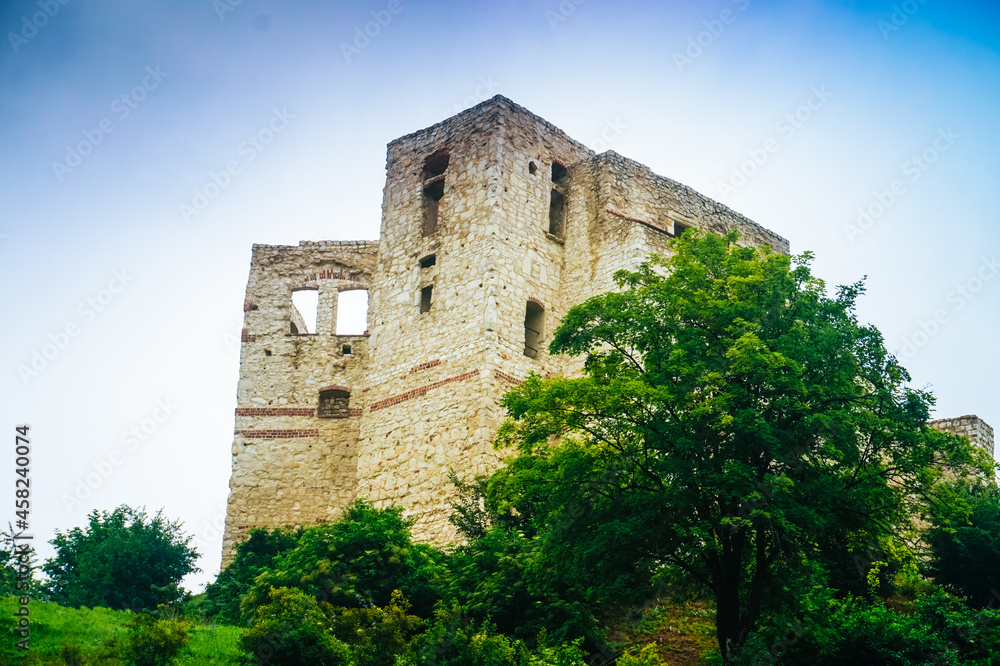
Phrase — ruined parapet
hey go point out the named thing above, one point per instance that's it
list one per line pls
(978, 431)
(299, 398)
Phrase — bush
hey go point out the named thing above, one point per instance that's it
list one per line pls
(355, 561)
(850, 631)
(453, 639)
(292, 629)
(376, 636)
(151, 642)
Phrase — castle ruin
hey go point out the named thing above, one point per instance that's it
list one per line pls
(494, 223)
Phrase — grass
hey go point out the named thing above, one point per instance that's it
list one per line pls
(54, 626)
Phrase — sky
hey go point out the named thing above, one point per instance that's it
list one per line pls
(146, 146)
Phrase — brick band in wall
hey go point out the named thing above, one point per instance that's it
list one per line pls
(275, 411)
(278, 434)
(500, 374)
(417, 392)
(246, 336)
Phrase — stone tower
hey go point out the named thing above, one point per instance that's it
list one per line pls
(494, 223)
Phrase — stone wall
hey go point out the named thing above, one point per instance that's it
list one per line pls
(978, 431)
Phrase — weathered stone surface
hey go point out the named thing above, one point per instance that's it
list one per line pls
(467, 242)
(977, 430)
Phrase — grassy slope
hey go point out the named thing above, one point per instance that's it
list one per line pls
(53, 625)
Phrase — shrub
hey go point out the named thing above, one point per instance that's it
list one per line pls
(151, 642)
(453, 639)
(376, 635)
(292, 629)
(357, 560)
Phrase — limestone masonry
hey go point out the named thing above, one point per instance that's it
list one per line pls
(494, 223)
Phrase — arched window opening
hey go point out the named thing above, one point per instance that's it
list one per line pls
(334, 404)
(558, 172)
(436, 164)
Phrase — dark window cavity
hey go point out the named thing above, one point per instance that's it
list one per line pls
(534, 322)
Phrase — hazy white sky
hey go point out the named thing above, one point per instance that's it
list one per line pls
(863, 131)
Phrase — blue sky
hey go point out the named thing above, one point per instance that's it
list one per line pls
(863, 131)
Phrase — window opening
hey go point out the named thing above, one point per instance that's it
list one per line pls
(432, 204)
(304, 304)
(436, 164)
(558, 172)
(428, 261)
(352, 312)
(534, 321)
(334, 404)
(346, 350)
(557, 214)
(425, 298)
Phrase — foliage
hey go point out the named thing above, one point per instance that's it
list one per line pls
(123, 559)
(646, 656)
(151, 642)
(453, 639)
(376, 635)
(496, 579)
(732, 421)
(292, 629)
(252, 557)
(965, 542)
(355, 561)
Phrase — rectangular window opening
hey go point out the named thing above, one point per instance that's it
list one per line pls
(305, 303)
(557, 214)
(534, 323)
(425, 298)
(352, 312)
(428, 261)
(346, 350)
(432, 204)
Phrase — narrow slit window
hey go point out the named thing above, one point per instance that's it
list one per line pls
(426, 294)
(428, 261)
(532, 168)
(534, 322)
(334, 404)
(557, 214)
(558, 172)
(432, 205)
(305, 303)
(352, 312)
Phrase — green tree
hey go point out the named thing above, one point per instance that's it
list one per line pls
(965, 542)
(731, 422)
(253, 556)
(122, 559)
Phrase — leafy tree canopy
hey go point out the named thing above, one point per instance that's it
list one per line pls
(355, 561)
(121, 559)
(733, 423)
